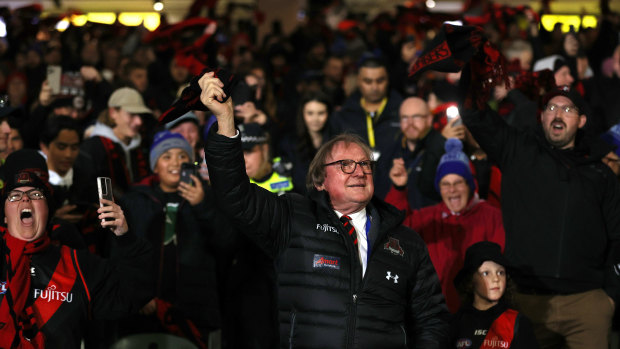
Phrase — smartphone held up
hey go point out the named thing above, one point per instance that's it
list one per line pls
(187, 169)
(104, 188)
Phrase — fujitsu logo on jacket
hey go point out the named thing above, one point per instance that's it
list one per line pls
(326, 228)
(50, 294)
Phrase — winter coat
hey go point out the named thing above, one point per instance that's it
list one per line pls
(323, 299)
(110, 157)
(185, 270)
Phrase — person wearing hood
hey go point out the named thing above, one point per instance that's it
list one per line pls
(177, 218)
(115, 142)
(451, 226)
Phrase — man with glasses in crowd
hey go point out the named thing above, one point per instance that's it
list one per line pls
(418, 149)
(561, 210)
(350, 275)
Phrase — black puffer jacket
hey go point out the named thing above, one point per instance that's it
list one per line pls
(323, 300)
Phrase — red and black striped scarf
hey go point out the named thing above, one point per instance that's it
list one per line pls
(17, 319)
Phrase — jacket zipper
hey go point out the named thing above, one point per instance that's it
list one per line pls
(292, 331)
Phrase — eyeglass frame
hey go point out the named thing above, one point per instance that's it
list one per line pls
(564, 109)
(342, 165)
(27, 192)
(411, 118)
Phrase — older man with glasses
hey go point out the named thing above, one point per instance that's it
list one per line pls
(350, 275)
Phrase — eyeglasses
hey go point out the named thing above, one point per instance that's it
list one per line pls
(566, 109)
(348, 166)
(33, 194)
(410, 118)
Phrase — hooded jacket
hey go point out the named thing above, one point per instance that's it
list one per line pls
(561, 209)
(124, 163)
(324, 302)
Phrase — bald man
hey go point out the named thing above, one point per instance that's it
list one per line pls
(420, 147)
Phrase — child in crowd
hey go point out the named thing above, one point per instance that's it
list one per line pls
(486, 319)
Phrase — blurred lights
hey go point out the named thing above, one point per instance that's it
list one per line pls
(430, 3)
(102, 17)
(549, 21)
(79, 20)
(150, 20)
(452, 112)
(158, 5)
(62, 25)
(2, 28)
(130, 19)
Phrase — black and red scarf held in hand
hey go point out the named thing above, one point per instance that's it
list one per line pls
(457, 47)
(17, 321)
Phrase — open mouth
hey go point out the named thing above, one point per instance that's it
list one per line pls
(557, 125)
(26, 216)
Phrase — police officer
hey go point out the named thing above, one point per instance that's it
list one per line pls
(272, 176)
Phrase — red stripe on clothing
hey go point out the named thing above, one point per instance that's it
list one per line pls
(49, 300)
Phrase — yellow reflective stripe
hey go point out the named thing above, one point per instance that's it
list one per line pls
(371, 131)
(369, 120)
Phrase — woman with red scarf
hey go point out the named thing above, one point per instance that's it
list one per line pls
(48, 291)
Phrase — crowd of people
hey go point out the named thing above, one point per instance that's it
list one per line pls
(348, 186)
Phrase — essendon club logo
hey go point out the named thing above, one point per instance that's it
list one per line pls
(394, 247)
(23, 178)
(321, 261)
(25, 175)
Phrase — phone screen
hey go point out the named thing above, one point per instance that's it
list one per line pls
(54, 76)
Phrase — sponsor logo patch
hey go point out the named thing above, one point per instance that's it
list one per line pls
(393, 245)
(322, 261)
(3, 287)
(326, 228)
(393, 277)
(50, 294)
(463, 343)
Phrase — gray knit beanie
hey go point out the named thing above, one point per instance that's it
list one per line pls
(165, 140)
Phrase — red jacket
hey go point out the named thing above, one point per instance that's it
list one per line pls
(448, 235)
